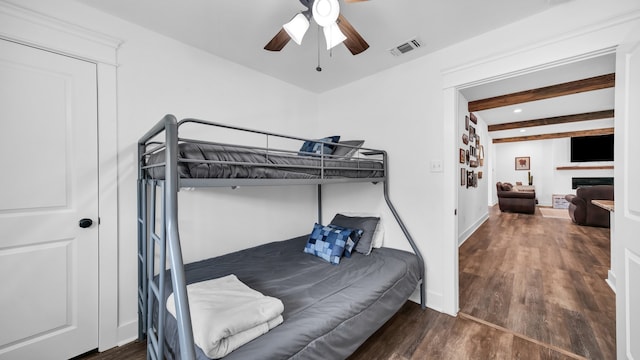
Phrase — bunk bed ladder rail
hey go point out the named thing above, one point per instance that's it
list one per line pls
(156, 291)
(168, 239)
(142, 258)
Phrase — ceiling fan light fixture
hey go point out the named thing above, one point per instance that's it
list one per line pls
(333, 36)
(297, 27)
(325, 12)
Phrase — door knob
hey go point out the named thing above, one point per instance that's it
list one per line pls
(85, 223)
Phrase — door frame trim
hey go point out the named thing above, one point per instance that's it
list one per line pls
(27, 27)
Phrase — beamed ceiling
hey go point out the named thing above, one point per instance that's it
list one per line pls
(571, 100)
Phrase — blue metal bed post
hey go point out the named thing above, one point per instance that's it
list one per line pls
(423, 295)
(178, 280)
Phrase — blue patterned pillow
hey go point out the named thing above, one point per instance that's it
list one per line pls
(329, 242)
(309, 148)
(356, 234)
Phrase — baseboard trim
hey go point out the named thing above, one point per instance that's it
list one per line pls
(434, 300)
(467, 233)
(611, 280)
(127, 332)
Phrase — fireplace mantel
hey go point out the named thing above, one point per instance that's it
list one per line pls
(600, 167)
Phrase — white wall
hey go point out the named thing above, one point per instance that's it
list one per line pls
(395, 110)
(546, 156)
(403, 110)
(158, 75)
(472, 201)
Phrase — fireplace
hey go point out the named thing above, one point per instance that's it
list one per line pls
(590, 181)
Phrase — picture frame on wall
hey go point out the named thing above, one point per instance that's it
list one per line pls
(473, 118)
(523, 163)
(462, 156)
(466, 156)
(465, 139)
(463, 177)
(472, 133)
(466, 122)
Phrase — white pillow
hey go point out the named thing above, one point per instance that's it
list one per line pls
(378, 234)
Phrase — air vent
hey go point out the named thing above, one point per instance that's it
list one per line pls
(405, 47)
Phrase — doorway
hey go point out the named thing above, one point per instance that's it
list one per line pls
(526, 274)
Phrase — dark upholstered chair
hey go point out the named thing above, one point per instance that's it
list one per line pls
(510, 200)
(583, 212)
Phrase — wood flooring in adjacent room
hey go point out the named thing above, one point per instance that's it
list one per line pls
(530, 288)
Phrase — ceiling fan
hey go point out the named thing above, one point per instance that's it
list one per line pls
(326, 13)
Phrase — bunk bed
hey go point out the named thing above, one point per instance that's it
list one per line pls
(352, 299)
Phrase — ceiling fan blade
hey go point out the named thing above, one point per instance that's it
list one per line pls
(355, 43)
(278, 42)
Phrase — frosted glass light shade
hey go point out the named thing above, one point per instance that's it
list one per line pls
(333, 35)
(325, 12)
(297, 27)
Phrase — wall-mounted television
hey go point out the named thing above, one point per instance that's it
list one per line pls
(592, 148)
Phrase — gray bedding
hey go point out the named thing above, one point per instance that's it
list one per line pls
(329, 310)
(279, 165)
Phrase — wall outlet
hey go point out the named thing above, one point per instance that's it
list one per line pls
(436, 166)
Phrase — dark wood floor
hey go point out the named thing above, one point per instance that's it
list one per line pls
(542, 278)
(530, 288)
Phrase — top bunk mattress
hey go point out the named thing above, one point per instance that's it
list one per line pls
(211, 161)
(329, 310)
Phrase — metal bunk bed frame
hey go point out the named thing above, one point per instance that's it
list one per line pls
(168, 237)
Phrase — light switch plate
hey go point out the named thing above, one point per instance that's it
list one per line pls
(436, 165)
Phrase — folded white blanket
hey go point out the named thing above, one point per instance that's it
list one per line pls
(225, 314)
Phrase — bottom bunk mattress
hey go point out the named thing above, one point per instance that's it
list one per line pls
(329, 310)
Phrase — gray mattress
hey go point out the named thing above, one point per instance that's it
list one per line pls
(329, 310)
(280, 166)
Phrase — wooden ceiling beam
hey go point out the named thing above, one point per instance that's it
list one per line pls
(605, 114)
(573, 87)
(605, 131)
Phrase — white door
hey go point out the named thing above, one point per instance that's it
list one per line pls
(48, 182)
(627, 198)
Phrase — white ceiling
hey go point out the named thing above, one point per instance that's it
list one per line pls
(238, 30)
